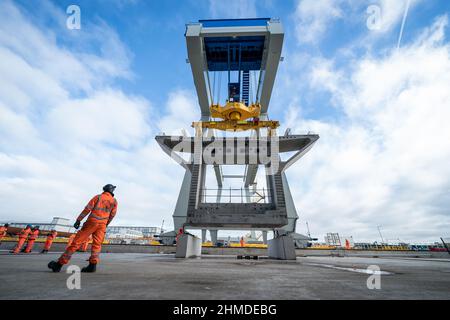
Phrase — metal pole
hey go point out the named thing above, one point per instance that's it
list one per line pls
(264, 195)
(228, 89)
(379, 231)
(239, 74)
(307, 227)
(445, 245)
(241, 194)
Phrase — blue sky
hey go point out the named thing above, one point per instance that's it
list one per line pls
(81, 107)
(153, 34)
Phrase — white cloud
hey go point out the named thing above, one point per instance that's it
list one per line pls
(66, 130)
(386, 162)
(182, 110)
(314, 18)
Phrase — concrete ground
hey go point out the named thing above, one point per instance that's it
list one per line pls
(161, 276)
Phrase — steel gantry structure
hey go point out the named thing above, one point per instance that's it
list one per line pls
(246, 53)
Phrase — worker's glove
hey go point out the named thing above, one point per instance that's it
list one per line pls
(77, 224)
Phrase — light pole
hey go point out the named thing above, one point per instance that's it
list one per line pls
(379, 231)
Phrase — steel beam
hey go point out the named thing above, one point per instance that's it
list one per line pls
(270, 63)
(219, 176)
(197, 61)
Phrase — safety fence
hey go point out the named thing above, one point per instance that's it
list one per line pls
(235, 195)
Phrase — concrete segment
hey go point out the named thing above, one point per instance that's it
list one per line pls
(189, 246)
(282, 248)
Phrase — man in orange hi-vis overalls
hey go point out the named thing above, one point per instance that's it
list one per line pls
(23, 235)
(101, 209)
(48, 243)
(32, 236)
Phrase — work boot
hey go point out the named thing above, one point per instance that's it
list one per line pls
(90, 268)
(55, 266)
(44, 251)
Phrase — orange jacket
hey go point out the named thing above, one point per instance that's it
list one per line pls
(33, 235)
(24, 233)
(3, 231)
(51, 236)
(102, 209)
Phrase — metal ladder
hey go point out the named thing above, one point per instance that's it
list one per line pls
(245, 86)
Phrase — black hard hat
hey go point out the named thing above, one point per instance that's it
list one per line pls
(109, 188)
(6, 225)
(28, 226)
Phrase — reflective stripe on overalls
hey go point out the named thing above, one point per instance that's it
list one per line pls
(96, 208)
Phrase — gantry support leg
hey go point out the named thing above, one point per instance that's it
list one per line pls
(282, 247)
(213, 234)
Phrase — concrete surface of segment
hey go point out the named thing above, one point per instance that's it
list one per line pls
(161, 276)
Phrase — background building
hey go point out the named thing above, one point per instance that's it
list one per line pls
(58, 224)
(66, 225)
(147, 232)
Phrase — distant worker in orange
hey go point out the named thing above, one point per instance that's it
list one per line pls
(48, 243)
(85, 244)
(70, 240)
(179, 233)
(23, 235)
(242, 241)
(3, 231)
(101, 209)
(32, 236)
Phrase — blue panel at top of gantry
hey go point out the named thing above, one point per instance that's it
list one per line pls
(236, 52)
(219, 23)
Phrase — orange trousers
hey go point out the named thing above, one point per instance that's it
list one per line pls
(85, 245)
(97, 230)
(19, 245)
(48, 244)
(29, 246)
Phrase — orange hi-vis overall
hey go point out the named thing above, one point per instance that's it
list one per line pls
(50, 237)
(31, 239)
(101, 209)
(23, 235)
(85, 244)
(70, 240)
(3, 232)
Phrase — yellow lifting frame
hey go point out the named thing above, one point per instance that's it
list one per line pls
(235, 115)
